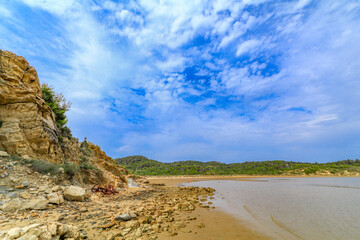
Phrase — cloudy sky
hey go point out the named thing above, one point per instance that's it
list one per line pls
(223, 80)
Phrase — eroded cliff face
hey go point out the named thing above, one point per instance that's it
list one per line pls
(28, 124)
(28, 128)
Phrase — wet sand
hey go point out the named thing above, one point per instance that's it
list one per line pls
(218, 225)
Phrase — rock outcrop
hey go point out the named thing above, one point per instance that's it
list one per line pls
(28, 125)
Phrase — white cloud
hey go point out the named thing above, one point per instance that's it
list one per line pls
(308, 101)
(4, 12)
(173, 63)
(247, 46)
(53, 6)
(238, 29)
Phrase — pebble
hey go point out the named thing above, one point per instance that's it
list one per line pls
(124, 217)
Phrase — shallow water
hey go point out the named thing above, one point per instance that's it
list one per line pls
(293, 208)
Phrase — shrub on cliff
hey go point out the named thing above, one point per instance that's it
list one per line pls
(59, 105)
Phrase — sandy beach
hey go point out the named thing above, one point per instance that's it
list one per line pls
(218, 225)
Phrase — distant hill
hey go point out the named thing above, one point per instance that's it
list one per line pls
(141, 165)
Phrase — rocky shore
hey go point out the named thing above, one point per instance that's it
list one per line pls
(35, 206)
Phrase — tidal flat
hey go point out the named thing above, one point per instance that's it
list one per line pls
(291, 208)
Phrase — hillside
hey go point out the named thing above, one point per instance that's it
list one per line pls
(141, 165)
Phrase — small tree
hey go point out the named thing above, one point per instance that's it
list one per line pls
(59, 106)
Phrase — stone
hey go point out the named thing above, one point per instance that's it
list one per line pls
(132, 183)
(124, 217)
(56, 188)
(52, 228)
(179, 224)
(36, 203)
(55, 198)
(26, 157)
(138, 232)
(201, 225)
(14, 233)
(26, 183)
(4, 174)
(3, 154)
(74, 193)
(12, 194)
(13, 205)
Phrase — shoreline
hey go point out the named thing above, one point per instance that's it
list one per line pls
(219, 220)
(218, 224)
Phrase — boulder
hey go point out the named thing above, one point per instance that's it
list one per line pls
(74, 193)
(55, 198)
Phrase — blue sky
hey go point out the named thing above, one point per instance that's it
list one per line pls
(219, 80)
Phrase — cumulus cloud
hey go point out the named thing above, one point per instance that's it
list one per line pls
(206, 80)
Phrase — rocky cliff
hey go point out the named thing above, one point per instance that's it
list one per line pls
(28, 127)
(28, 124)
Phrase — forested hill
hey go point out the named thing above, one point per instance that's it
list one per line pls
(141, 165)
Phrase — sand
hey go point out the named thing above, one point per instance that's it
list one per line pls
(217, 224)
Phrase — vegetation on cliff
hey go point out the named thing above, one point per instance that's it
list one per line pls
(59, 105)
(141, 165)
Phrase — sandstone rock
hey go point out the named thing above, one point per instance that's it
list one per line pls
(14, 233)
(138, 232)
(131, 182)
(55, 198)
(29, 126)
(52, 228)
(50, 231)
(13, 205)
(3, 154)
(74, 193)
(37, 203)
(56, 188)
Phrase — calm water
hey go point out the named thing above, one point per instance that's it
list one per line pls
(293, 208)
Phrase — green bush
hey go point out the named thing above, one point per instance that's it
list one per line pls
(14, 157)
(59, 106)
(70, 168)
(44, 167)
(84, 148)
(85, 163)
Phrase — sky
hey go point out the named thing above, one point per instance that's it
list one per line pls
(216, 80)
